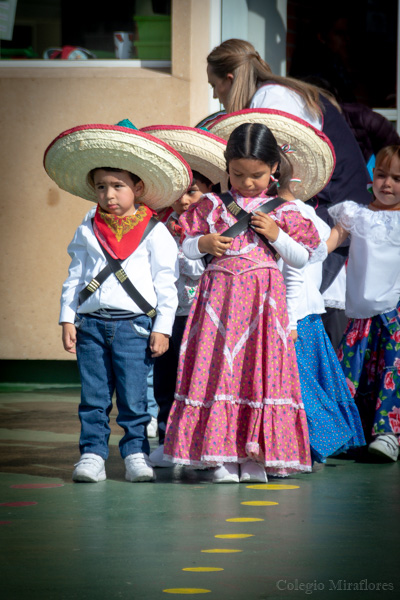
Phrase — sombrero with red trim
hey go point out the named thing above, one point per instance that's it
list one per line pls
(309, 150)
(204, 151)
(71, 156)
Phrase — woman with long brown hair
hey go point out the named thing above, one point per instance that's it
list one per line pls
(241, 79)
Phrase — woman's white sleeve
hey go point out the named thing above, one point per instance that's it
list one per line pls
(291, 252)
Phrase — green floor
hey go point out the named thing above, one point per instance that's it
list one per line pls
(321, 535)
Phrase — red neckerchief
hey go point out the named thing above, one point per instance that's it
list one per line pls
(164, 213)
(175, 228)
(121, 235)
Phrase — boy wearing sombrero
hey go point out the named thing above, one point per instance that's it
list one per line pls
(119, 300)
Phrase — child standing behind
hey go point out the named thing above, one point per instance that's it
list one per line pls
(204, 152)
(333, 420)
(166, 366)
(370, 349)
(121, 277)
(237, 403)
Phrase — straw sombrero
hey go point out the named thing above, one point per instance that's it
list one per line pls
(204, 151)
(75, 152)
(309, 150)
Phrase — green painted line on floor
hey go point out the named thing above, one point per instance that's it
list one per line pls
(52, 468)
(28, 446)
(35, 398)
(28, 435)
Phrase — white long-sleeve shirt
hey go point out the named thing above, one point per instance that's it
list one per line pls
(302, 285)
(152, 268)
(280, 97)
(190, 271)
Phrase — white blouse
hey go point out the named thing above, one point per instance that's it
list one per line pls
(152, 268)
(373, 270)
(280, 97)
(302, 285)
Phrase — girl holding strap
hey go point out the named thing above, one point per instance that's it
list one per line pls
(332, 416)
(237, 403)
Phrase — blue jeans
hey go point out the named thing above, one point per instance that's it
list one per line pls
(152, 405)
(113, 355)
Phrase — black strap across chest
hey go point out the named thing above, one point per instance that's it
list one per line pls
(114, 266)
(243, 220)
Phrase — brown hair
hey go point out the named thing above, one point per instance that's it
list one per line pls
(91, 173)
(249, 71)
(387, 154)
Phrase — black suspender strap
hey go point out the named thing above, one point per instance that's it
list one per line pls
(114, 266)
(243, 221)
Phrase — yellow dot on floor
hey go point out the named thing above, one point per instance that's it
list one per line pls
(186, 591)
(232, 536)
(272, 486)
(259, 503)
(243, 519)
(202, 569)
(221, 551)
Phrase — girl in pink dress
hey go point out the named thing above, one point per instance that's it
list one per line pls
(237, 404)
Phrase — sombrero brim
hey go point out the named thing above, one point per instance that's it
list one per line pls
(75, 152)
(309, 150)
(204, 151)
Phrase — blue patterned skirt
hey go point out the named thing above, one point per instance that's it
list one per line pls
(370, 357)
(332, 416)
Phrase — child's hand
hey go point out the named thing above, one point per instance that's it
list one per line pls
(69, 337)
(294, 335)
(159, 343)
(214, 244)
(262, 223)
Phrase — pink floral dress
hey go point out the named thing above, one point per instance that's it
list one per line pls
(238, 392)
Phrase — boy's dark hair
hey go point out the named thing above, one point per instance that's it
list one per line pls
(134, 178)
(200, 177)
(256, 141)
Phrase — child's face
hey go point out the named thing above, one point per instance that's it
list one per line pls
(250, 176)
(192, 195)
(386, 183)
(116, 192)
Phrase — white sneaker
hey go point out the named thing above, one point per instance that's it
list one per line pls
(252, 471)
(90, 468)
(152, 428)
(156, 458)
(227, 473)
(385, 445)
(138, 468)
